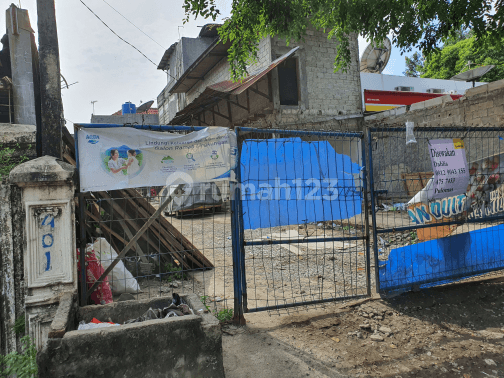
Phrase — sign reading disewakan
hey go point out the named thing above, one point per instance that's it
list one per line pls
(449, 165)
(123, 157)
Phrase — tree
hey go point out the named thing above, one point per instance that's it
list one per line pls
(422, 24)
(414, 65)
(453, 59)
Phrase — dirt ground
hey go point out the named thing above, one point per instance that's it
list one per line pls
(449, 331)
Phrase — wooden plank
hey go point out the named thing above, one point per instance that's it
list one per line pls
(171, 229)
(178, 247)
(118, 209)
(138, 250)
(172, 250)
(412, 183)
(133, 241)
(426, 176)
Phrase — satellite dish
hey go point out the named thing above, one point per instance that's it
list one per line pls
(144, 107)
(474, 74)
(375, 58)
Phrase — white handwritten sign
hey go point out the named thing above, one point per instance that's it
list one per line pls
(449, 164)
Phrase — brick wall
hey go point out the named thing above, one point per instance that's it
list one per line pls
(325, 93)
(481, 106)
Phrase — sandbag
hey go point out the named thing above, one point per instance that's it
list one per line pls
(121, 280)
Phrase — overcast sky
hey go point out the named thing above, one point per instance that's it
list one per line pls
(108, 70)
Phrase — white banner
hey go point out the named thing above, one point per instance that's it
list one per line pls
(124, 157)
(449, 164)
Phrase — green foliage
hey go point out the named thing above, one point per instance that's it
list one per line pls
(7, 162)
(453, 58)
(223, 315)
(19, 325)
(414, 65)
(414, 238)
(173, 272)
(204, 299)
(20, 365)
(422, 24)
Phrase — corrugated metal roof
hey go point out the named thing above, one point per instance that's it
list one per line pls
(165, 60)
(197, 71)
(216, 92)
(235, 88)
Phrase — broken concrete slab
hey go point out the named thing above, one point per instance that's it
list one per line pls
(62, 320)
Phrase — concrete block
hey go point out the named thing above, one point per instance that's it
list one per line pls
(63, 318)
(14, 133)
(495, 85)
(418, 105)
(482, 89)
(44, 169)
(185, 346)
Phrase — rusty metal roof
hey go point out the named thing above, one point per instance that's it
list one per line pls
(235, 88)
(216, 92)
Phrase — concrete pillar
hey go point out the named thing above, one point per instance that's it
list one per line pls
(50, 81)
(20, 33)
(21, 139)
(50, 268)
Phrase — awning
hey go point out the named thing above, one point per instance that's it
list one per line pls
(197, 71)
(165, 60)
(216, 92)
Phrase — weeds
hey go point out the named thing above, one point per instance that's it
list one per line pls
(223, 315)
(19, 325)
(20, 365)
(7, 162)
(173, 272)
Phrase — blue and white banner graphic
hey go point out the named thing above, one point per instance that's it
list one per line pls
(123, 157)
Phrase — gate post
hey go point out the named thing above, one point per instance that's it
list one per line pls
(373, 212)
(240, 282)
(50, 269)
(238, 275)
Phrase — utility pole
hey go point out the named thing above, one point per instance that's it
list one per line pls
(50, 88)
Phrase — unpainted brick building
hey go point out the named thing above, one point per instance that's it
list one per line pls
(299, 90)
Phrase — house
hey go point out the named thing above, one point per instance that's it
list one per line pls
(291, 86)
(176, 60)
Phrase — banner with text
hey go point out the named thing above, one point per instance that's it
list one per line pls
(124, 157)
(449, 165)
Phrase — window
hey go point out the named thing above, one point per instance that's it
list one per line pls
(288, 82)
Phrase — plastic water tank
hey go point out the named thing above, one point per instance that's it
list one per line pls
(128, 108)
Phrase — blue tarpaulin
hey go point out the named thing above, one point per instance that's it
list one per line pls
(443, 260)
(291, 181)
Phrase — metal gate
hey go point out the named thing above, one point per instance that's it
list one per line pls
(299, 219)
(420, 242)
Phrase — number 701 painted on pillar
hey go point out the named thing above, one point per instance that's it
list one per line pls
(48, 240)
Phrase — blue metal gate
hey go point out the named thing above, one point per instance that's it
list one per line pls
(419, 241)
(299, 219)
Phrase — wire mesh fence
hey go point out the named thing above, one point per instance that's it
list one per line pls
(303, 218)
(423, 234)
(187, 249)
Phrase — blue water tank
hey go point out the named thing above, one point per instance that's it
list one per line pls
(128, 108)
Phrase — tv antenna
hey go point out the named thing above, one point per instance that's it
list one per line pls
(93, 102)
(375, 57)
(474, 74)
